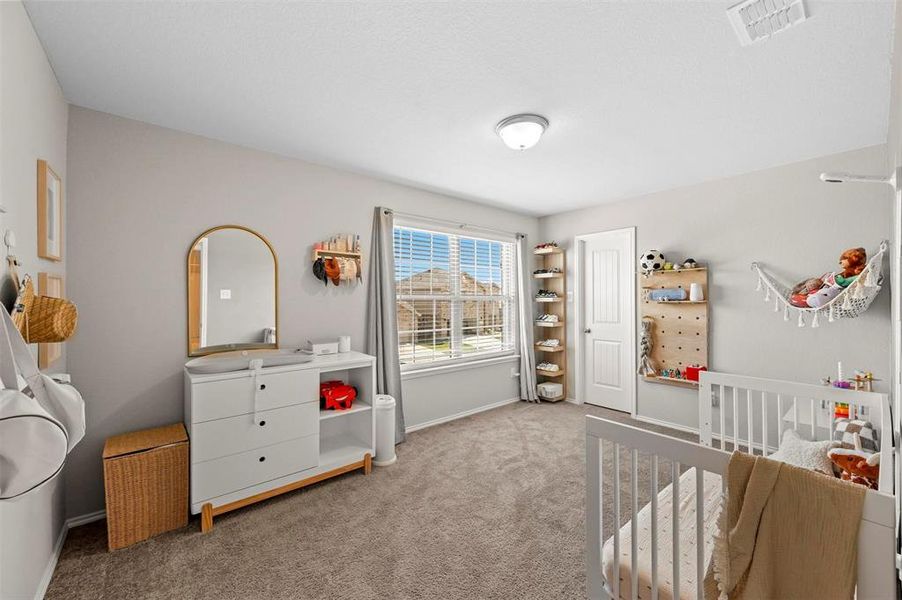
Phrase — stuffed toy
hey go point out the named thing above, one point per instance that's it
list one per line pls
(799, 294)
(816, 292)
(857, 465)
(829, 290)
(852, 262)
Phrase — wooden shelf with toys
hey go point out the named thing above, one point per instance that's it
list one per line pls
(551, 269)
(674, 307)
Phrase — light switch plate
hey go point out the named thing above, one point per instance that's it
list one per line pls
(225, 294)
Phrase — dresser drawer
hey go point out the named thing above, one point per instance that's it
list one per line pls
(232, 473)
(222, 437)
(230, 397)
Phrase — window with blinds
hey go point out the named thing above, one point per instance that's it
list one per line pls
(455, 295)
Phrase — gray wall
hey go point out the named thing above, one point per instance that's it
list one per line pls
(783, 217)
(240, 262)
(135, 187)
(33, 118)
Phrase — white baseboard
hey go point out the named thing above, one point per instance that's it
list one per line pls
(572, 401)
(461, 415)
(85, 519)
(51, 564)
(668, 424)
(58, 548)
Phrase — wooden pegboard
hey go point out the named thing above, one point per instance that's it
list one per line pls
(680, 331)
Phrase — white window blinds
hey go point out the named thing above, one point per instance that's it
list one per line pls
(455, 295)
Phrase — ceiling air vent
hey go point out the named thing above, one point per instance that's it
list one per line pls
(756, 20)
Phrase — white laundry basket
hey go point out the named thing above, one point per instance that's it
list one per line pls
(385, 430)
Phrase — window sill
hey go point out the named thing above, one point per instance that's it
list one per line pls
(458, 365)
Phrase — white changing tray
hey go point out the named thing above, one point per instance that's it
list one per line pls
(227, 362)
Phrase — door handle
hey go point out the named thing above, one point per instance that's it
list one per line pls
(587, 331)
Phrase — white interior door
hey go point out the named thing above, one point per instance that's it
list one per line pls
(608, 319)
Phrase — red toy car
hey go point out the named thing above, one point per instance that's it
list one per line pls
(336, 395)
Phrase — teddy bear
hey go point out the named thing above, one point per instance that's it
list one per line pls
(852, 262)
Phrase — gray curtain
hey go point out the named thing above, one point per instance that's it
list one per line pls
(524, 322)
(381, 316)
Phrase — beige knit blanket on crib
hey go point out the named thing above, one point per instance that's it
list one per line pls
(785, 532)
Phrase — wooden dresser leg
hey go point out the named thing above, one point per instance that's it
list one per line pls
(206, 518)
(367, 463)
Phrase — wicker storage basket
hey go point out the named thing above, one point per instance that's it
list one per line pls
(43, 319)
(145, 475)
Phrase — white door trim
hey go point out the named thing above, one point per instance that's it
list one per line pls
(579, 372)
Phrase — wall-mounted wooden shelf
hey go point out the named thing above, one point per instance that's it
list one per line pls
(542, 348)
(680, 329)
(672, 381)
(318, 253)
(550, 258)
(674, 271)
(544, 373)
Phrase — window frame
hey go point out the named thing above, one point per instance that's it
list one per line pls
(477, 359)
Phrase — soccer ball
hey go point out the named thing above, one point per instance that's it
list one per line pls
(651, 260)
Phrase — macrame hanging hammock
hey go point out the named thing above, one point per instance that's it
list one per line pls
(848, 304)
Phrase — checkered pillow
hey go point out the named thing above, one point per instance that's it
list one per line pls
(845, 430)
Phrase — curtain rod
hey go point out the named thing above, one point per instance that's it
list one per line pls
(457, 224)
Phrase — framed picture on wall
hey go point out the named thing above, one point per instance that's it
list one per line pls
(50, 213)
(50, 285)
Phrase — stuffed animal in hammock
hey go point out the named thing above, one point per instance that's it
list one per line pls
(816, 292)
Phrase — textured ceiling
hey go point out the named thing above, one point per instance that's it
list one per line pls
(641, 96)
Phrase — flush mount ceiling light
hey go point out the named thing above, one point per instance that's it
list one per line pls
(521, 132)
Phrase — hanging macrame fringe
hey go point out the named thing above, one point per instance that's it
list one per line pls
(848, 304)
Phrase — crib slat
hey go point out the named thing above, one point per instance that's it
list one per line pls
(795, 413)
(616, 575)
(699, 532)
(779, 418)
(748, 416)
(634, 524)
(654, 527)
(723, 410)
(675, 474)
(735, 419)
(595, 531)
(813, 422)
(763, 423)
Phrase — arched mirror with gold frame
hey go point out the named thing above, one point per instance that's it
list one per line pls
(233, 291)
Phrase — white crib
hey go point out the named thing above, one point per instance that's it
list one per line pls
(773, 406)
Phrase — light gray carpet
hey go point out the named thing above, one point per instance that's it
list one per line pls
(491, 506)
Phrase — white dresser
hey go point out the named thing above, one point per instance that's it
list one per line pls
(237, 459)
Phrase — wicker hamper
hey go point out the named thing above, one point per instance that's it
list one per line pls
(145, 475)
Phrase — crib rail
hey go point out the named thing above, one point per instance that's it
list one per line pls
(751, 414)
(876, 568)
(680, 454)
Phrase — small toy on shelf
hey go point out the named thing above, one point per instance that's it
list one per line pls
(690, 263)
(692, 371)
(651, 260)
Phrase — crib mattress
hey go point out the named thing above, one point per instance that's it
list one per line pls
(687, 550)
